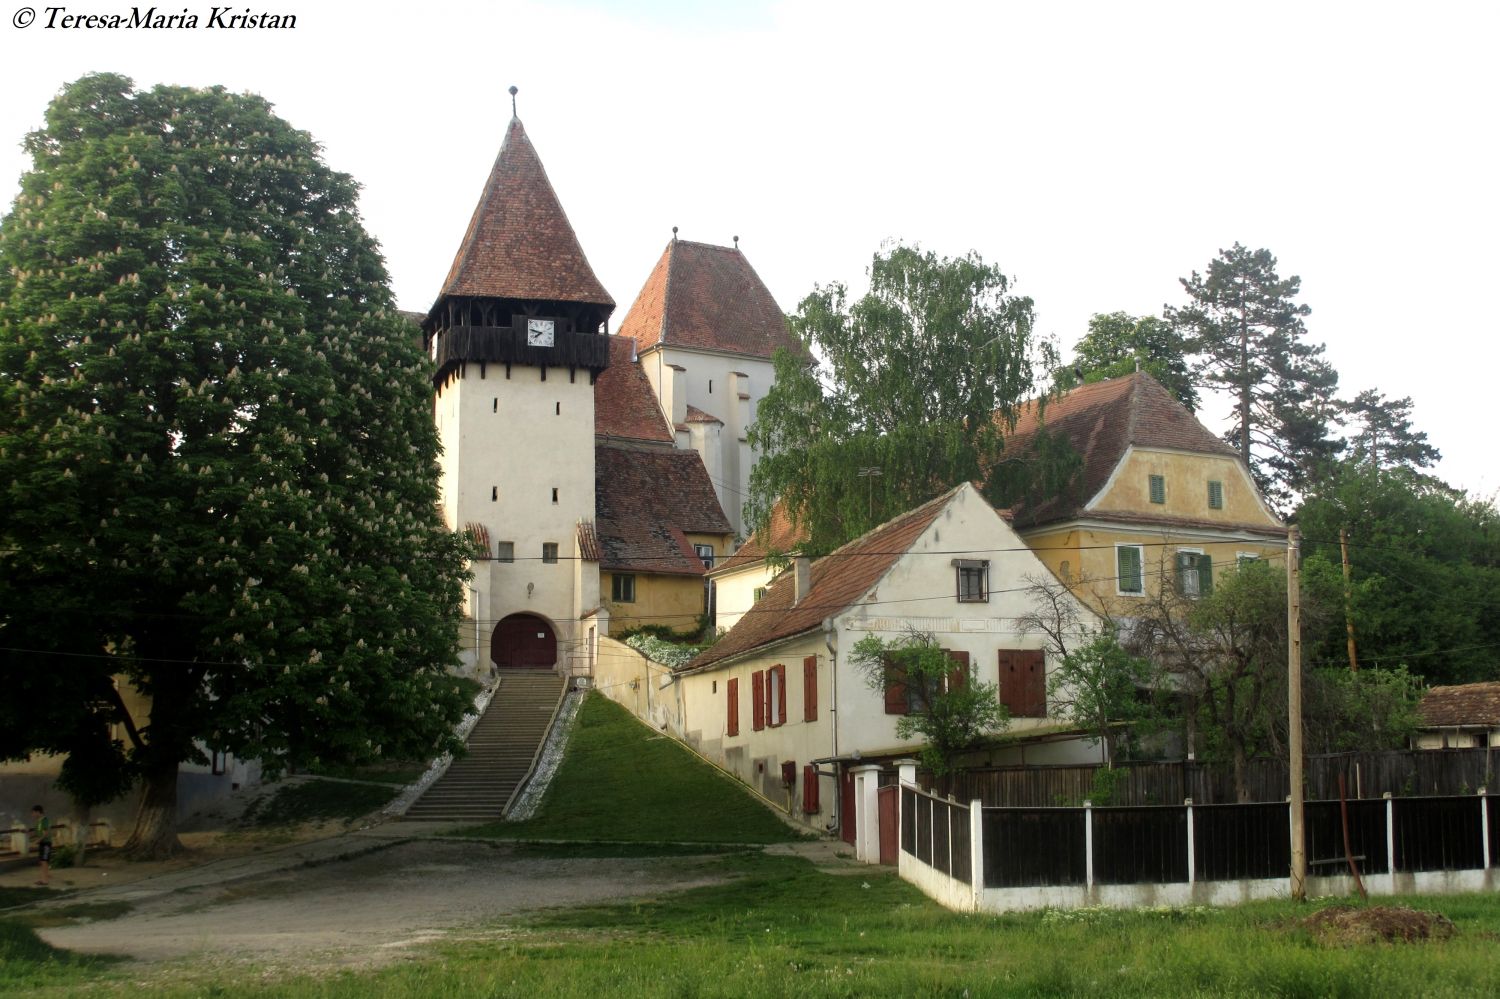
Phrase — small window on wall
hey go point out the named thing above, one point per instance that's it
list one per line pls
(973, 580)
(1129, 579)
(1158, 488)
(705, 554)
(759, 594)
(1195, 573)
(549, 552)
(1215, 495)
(1242, 559)
(505, 551)
(622, 588)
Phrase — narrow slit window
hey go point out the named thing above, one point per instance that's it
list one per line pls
(554, 494)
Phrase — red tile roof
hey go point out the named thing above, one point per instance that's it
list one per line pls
(588, 541)
(648, 498)
(696, 415)
(519, 243)
(624, 403)
(1467, 704)
(838, 580)
(710, 297)
(780, 536)
(1100, 421)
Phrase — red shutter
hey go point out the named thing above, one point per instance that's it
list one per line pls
(758, 700)
(1008, 682)
(810, 790)
(1035, 663)
(732, 726)
(895, 689)
(810, 692)
(780, 670)
(958, 676)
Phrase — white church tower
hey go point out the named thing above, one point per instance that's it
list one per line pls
(518, 335)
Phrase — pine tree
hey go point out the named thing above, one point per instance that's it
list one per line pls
(1382, 435)
(1247, 330)
(218, 457)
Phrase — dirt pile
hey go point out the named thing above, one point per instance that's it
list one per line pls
(1344, 925)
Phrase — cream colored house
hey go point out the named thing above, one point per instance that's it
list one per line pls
(1156, 499)
(743, 578)
(777, 702)
(1465, 716)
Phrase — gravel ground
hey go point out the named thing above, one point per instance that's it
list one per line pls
(370, 909)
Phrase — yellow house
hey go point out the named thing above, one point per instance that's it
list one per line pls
(658, 526)
(1156, 498)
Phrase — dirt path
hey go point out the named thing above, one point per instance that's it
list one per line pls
(372, 908)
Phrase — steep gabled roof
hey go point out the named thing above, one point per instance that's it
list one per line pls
(779, 535)
(624, 404)
(709, 297)
(1100, 422)
(647, 499)
(838, 580)
(519, 243)
(1466, 704)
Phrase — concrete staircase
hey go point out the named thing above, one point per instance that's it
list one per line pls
(502, 747)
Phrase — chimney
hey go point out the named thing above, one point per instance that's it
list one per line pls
(801, 578)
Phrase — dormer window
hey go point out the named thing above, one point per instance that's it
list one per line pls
(973, 580)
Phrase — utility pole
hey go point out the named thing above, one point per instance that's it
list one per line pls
(1294, 711)
(1348, 599)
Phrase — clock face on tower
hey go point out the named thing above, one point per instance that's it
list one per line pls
(539, 332)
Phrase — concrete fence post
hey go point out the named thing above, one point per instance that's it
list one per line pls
(976, 850)
(1088, 845)
(1192, 867)
(867, 812)
(18, 839)
(1390, 836)
(1484, 825)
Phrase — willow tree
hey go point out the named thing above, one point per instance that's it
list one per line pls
(217, 461)
(916, 384)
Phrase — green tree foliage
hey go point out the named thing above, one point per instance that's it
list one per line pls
(217, 460)
(1372, 709)
(1248, 335)
(1118, 344)
(1425, 562)
(950, 709)
(1381, 434)
(911, 377)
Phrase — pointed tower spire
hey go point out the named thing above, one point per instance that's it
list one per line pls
(513, 101)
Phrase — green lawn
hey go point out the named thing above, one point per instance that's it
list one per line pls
(621, 781)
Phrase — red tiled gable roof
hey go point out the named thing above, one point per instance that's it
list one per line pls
(588, 541)
(838, 580)
(780, 535)
(648, 498)
(710, 297)
(696, 415)
(624, 403)
(1468, 704)
(1100, 421)
(519, 243)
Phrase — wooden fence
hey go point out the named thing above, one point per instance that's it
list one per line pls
(1405, 773)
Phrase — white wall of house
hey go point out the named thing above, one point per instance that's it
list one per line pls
(728, 386)
(734, 592)
(508, 443)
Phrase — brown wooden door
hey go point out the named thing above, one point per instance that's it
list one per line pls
(890, 824)
(846, 806)
(523, 641)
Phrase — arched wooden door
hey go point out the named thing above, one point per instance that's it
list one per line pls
(523, 641)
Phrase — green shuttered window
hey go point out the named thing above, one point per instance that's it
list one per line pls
(1158, 488)
(1215, 495)
(1128, 569)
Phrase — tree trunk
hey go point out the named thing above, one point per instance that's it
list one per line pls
(1241, 788)
(155, 833)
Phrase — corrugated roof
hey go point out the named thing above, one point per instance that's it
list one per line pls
(648, 498)
(519, 243)
(710, 297)
(1101, 421)
(624, 403)
(1466, 704)
(838, 580)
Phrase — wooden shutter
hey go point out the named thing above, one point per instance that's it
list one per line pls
(780, 692)
(1035, 673)
(1205, 574)
(758, 700)
(732, 726)
(895, 689)
(810, 790)
(1128, 569)
(810, 691)
(958, 676)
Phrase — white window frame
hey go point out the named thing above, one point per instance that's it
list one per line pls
(773, 700)
(1240, 558)
(1177, 572)
(619, 582)
(1141, 551)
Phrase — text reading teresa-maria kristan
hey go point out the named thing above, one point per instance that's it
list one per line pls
(152, 18)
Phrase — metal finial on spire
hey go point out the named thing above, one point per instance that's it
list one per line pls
(513, 101)
(674, 234)
(736, 242)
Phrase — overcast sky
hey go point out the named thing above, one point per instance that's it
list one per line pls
(1096, 151)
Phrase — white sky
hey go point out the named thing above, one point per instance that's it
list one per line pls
(1096, 151)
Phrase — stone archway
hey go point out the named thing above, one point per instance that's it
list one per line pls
(523, 641)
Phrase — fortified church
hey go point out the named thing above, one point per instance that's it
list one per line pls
(599, 475)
